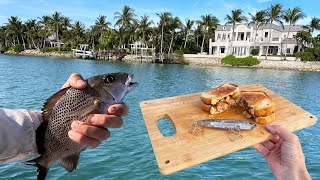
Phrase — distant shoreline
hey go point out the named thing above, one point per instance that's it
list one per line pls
(266, 64)
(202, 61)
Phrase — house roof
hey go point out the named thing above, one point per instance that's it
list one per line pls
(289, 41)
(285, 28)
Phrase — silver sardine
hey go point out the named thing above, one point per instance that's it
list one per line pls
(226, 124)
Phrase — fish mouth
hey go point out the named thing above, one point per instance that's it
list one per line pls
(129, 81)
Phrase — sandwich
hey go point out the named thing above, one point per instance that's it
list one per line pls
(220, 99)
(257, 105)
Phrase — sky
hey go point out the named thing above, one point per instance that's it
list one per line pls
(87, 11)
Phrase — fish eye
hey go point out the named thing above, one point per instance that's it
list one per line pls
(108, 79)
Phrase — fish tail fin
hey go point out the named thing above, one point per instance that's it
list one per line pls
(41, 170)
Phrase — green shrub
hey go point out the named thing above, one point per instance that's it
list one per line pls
(52, 49)
(17, 48)
(178, 54)
(247, 61)
(254, 52)
(314, 51)
(305, 56)
(192, 48)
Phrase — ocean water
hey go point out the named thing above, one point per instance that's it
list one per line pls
(26, 82)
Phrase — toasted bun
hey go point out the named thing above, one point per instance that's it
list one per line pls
(214, 95)
(256, 104)
(265, 119)
(258, 101)
(206, 107)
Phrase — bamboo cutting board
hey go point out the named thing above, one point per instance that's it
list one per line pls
(185, 149)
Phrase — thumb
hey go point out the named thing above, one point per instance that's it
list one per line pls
(284, 134)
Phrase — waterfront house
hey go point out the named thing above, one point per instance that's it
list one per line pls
(246, 38)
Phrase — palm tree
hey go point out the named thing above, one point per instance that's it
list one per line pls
(13, 25)
(4, 36)
(44, 23)
(153, 35)
(56, 24)
(258, 19)
(102, 25)
(207, 23)
(92, 35)
(235, 17)
(79, 31)
(303, 38)
(314, 25)
(31, 31)
(131, 34)
(144, 28)
(125, 19)
(274, 14)
(197, 32)
(164, 20)
(291, 17)
(186, 30)
(174, 23)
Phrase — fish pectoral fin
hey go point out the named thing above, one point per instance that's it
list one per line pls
(70, 163)
(93, 108)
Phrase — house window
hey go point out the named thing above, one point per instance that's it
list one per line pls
(288, 50)
(223, 36)
(294, 36)
(229, 36)
(285, 36)
(266, 34)
(219, 36)
(224, 28)
(222, 49)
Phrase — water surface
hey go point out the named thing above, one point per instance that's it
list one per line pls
(26, 82)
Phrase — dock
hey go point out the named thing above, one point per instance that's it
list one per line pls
(111, 54)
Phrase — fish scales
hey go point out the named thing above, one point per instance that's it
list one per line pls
(67, 105)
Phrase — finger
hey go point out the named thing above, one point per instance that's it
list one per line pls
(261, 149)
(269, 145)
(76, 81)
(118, 109)
(105, 121)
(83, 140)
(284, 134)
(276, 139)
(93, 132)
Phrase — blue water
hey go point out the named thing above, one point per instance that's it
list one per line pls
(26, 82)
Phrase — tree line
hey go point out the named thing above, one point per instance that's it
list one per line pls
(168, 35)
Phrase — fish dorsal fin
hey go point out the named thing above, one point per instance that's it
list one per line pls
(91, 109)
(51, 102)
(70, 163)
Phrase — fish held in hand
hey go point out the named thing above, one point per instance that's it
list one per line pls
(67, 105)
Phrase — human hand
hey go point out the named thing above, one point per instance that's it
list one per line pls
(284, 154)
(94, 131)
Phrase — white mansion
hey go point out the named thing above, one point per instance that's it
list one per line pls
(244, 39)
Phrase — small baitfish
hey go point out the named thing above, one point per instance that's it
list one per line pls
(70, 104)
(227, 124)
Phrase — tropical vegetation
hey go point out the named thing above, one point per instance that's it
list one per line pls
(233, 61)
(166, 36)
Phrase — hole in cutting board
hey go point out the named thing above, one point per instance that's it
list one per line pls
(166, 126)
